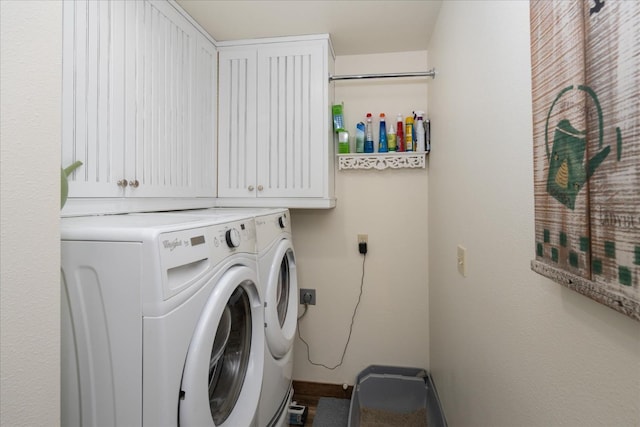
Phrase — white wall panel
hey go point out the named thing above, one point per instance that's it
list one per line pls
(30, 125)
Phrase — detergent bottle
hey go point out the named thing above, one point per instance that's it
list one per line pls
(360, 133)
(343, 142)
(400, 132)
(408, 132)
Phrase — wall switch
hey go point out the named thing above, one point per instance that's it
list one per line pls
(462, 260)
(363, 238)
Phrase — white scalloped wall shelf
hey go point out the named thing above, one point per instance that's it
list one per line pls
(381, 161)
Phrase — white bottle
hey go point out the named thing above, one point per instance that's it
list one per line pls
(392, 141)
(420, 146)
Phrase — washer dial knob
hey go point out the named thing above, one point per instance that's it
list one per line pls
(282, 221)
(232, 236)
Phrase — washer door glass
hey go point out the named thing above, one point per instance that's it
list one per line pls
(283, 286)
(230, 356)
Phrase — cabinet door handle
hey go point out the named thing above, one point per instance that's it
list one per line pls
(134, 183)
(122, 183)
(250, 188)
(260, 188)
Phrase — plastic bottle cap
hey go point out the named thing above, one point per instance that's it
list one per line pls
(399, 117)
(368, 114)
(382, 115)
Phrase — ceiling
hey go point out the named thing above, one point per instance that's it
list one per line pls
(356, 26)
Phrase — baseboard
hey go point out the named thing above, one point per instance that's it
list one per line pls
(315, 390)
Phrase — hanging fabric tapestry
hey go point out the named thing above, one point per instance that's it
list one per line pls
(585, 57)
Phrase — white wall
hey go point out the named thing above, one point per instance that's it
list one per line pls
(508, 347)
(30, 61)
(391, 325)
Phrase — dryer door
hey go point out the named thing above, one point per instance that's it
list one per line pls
(223, 370)
(281, 309)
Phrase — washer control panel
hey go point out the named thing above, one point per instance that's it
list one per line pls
(185, 255)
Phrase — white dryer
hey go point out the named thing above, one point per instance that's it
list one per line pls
(279, 282)
(161, 321)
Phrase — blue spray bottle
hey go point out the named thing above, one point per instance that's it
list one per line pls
(368, 140)
(383, 147)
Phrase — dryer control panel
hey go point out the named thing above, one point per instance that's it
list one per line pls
(269, 227)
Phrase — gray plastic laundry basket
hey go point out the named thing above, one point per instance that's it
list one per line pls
(395, 396)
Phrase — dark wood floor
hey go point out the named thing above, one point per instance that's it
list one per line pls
(308, 393)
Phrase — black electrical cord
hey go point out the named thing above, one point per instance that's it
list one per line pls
(306, 307)
(353, 317)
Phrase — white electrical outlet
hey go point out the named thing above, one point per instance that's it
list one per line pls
(363, 238)
(462, 260)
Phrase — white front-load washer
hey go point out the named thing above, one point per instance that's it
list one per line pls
(278, 285)
(161, 321)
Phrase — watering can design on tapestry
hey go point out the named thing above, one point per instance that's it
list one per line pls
(568, 171)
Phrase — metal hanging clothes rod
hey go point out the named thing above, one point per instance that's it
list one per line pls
(431, 73)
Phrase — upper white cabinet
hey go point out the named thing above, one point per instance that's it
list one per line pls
(139, 101)
(275, 142)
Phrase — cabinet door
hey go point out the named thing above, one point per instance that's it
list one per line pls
(139, 85)
(94, 101)
(160, 154)
(237, 122)
(291, 132)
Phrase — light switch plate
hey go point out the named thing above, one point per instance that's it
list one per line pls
(462, 260)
